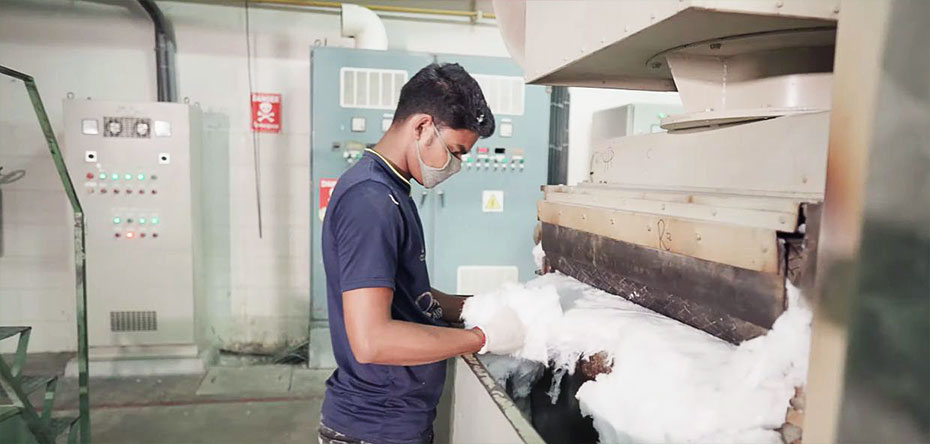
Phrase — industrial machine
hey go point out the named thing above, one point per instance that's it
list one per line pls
(134, 167)
(706, 220)
(630, 119)
(354, 93)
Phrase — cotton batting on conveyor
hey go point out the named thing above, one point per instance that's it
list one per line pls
(669, 383)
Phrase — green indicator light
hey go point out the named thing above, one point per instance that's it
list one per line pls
(662, 115)
(141, 221)
(102, 176)
(141, 177)
(127, 177)
(114, 176)
(116, 220)
(154, 221)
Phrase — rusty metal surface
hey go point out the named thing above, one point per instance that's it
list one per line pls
(801, 249)
(725, 327)
(596, 364)
(730, 303)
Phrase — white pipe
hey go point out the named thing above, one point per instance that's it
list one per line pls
(365, 26)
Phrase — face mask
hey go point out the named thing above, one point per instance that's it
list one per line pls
(433, 176)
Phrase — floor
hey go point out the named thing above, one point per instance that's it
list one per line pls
(256, 404)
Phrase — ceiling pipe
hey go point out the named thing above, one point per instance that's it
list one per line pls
(165, 48)
(365, 26)
(473, 15)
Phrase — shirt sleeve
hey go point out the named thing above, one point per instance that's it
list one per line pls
(368, 230)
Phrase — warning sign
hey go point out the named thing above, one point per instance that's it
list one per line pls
(492, 201)
(326, 191)
(266, 113)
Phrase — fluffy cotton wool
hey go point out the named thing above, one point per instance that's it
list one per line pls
(537, 308)
(669, 382)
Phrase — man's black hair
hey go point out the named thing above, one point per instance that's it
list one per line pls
(450, 96)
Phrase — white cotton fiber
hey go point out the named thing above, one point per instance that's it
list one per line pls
(539, 256)
(669, 382)
(538, 309)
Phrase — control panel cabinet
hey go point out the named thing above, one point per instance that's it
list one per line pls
(132, 165)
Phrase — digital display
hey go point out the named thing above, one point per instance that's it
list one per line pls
(499, 150)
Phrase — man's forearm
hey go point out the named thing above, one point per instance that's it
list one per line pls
(451, 305)
(409, 343)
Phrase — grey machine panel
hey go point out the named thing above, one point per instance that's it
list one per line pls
(132, 164)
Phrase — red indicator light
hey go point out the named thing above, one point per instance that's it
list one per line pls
(103, 191)
(154, 234)
(141, 191)
(90, 175)
(116, 235)
(130, 235)
(128, 191)
(482, 150)
(115, 191)
(141, 234)
(154, 191)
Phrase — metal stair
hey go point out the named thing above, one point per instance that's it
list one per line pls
(6, 332)
(7, 412)
(16, 387)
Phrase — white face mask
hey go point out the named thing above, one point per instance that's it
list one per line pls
(433, 176)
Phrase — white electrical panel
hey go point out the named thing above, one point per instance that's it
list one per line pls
(133, 166)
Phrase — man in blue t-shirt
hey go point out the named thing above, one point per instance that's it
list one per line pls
(390, 329)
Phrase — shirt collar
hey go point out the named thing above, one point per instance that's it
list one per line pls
(384, 162)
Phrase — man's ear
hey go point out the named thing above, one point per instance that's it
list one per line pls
(419, 122)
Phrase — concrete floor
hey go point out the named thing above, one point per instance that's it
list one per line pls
(260, 404)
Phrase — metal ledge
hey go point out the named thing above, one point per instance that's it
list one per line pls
(475, 421)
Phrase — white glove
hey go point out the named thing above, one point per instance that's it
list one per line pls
(503, 333)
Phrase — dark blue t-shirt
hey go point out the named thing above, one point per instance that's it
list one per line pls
(372, 237)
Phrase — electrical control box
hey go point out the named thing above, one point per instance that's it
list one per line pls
(479, 222)
(132, 165)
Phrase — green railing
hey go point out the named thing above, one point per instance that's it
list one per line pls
(44, 427)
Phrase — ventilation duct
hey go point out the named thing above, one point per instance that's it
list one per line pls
(365, 26)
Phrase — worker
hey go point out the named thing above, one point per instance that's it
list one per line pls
(390, 329)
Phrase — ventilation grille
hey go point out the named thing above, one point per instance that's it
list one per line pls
(133, 321)
(504, 94)
(130, 127)
(370, 88)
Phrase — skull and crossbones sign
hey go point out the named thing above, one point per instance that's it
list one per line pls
(265, 113)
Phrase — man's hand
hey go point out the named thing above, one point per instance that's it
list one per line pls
(504, 333)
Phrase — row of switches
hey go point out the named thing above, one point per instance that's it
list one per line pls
(117, 176)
